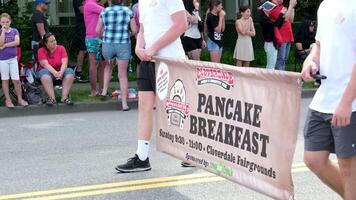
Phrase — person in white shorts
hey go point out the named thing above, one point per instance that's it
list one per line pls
(9, 68)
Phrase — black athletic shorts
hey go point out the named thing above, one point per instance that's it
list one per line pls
(146, 76)
(190, 44)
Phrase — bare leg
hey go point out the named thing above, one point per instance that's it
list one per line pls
(215, 56)
(18, 90)
(66, 85)
(5, 88)
(93, 67)
(80, 60)
(146, 101)
(348, 172)
(122, 70)
(239, 63)
(320, 164)
(196, 54)
(47, 83)
(107, 77)
(101, 69)
(246, 63)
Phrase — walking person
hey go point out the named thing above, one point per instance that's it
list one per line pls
(244, 49)
(9, 68)
(160, 39)
(215, 22)
(116, 20)
(331, 122)
(284, 35)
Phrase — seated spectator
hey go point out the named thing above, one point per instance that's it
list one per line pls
(53, 66)
(9, 40)
(305, 39)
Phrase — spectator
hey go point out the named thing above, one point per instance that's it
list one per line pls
(305, 39)
(270, 43)
(331, 121)
(116, 20)
(245, 29)
(53, 66)
(192, 39)
(96, 70)
(284, 35)
(153, 39)
(9, 40)
(79, 39)
(215, 22)
(39, 24)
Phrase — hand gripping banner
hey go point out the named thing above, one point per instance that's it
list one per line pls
(239, 123)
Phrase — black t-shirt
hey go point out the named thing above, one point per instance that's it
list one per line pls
(79, 17)
(212, 21)
(38, 17)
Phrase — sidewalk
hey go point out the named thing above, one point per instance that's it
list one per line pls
(108, 105)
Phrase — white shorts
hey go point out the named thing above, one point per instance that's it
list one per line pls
(9, 68)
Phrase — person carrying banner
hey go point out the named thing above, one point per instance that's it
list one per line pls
(160, 39)
(331, 121)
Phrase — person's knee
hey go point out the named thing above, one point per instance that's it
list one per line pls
(315, 162)
(46, 78)
(345, 168)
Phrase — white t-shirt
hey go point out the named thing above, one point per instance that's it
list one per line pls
(193, 30)
(155, 15)
(337, 36)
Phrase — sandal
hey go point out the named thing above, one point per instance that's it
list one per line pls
(22, 103)
(9, 104)
(50, 101)
(68, 101)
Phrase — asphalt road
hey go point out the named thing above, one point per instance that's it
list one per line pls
(73, 156)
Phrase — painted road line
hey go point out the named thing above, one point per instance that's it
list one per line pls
(107, 185)
(132, 188)
(134, 185)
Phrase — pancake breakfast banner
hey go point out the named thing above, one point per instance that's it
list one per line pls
(239, 123)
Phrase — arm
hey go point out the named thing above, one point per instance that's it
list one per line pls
(133, 27)
(140, 43)
(252, 31)
(15, 43)
(99, 27)
(239, 28)
(343, 112)
(2, 37)
(221, 26)
(311, 63)
(178, 27)
(192, 18)
(63, 66)
(289, 15)
(40, 29)
(44, 63)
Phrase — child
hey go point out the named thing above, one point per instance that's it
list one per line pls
(9, 40)
(244, 26)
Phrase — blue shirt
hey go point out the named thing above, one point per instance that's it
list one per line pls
(116, 20)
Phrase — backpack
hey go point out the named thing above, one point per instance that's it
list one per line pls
(32, 94)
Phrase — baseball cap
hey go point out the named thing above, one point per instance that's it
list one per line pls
(42, 1)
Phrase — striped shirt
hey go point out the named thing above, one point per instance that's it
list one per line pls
(116, 20)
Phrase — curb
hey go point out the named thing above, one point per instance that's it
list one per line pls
(62, 108)
(86, 107)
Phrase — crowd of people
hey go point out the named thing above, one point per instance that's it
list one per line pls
(106, 33)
